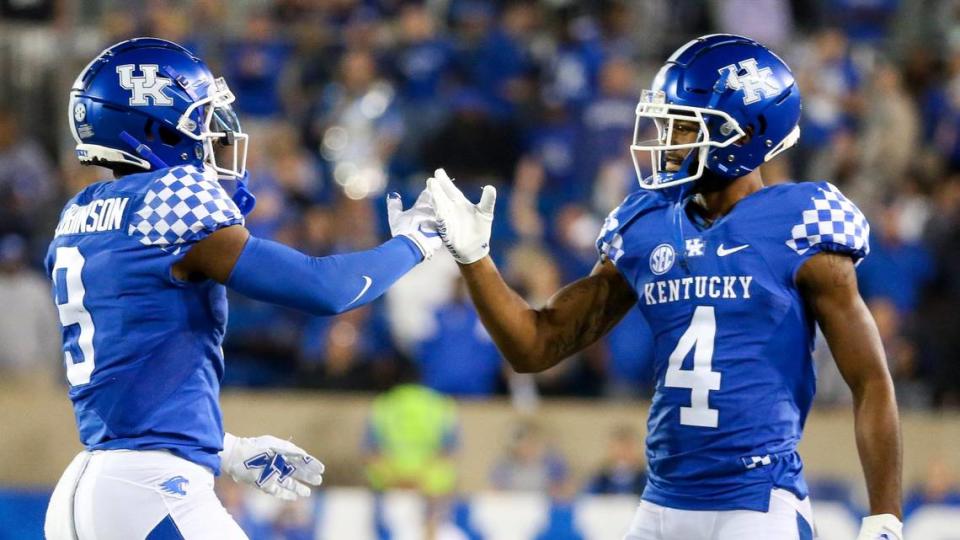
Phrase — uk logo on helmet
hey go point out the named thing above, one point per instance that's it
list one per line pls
(148, 85)
(754, 81)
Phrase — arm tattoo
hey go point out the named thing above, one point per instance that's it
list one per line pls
(597, 311)
(825, 276)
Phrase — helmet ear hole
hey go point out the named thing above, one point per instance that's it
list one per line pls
(148, 130)
(166, 135)
(746, 138)
(169, 136)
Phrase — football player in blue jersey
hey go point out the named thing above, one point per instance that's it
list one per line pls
(732, 277)
(139, 267)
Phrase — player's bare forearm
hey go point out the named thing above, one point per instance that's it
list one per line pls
(533, 340)
(512, 323)
(829, 284)
(877, 425)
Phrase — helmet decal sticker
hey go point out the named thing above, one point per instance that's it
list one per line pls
(755, 81)
(144, 86)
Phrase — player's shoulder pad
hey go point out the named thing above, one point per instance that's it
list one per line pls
(635, 205)
(182, 205)
(823, 219)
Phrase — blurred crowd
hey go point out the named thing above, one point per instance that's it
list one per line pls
(347, 100)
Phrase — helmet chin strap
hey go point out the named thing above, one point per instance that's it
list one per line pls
(242, 196)
(689, 163)
(143, 150)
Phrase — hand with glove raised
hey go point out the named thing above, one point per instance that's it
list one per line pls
(463, 226)
(419, 223)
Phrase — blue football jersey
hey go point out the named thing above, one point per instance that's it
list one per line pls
(142, 348)
(732, 336)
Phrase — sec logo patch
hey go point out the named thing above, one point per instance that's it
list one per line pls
(79, 112)
(661, 260)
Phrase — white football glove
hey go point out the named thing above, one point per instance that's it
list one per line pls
(273, 465)
(419, 223)
(464, 226)
(881, 527)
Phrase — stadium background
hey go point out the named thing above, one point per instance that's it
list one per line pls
(348, 99)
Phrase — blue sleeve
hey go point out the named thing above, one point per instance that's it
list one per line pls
(275, 273)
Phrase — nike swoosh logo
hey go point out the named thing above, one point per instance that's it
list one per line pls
(368, 282)
(428, 234)
(724, 252)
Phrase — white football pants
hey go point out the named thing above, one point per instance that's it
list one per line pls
(134, 495)
(781, 522)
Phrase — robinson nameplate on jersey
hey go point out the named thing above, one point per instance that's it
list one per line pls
(100, 215)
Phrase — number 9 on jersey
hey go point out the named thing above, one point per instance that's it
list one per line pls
(76, 320)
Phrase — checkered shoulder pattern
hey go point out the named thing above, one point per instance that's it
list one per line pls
(183, 206)
(610, 242)
(832, 222)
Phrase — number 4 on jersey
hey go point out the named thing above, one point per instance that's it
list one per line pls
(700, 380)
(76, 320)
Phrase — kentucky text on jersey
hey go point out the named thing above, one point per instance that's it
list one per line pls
(98, 216)
(674, 290)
